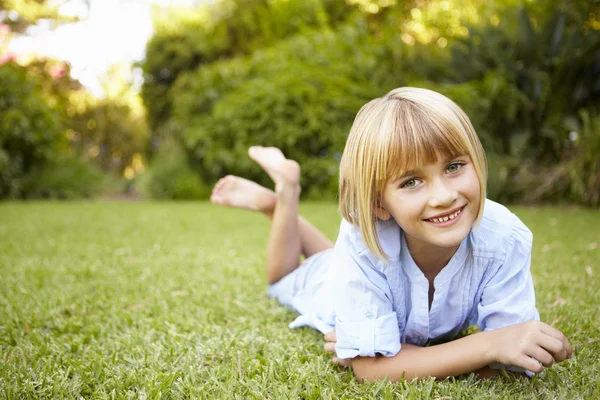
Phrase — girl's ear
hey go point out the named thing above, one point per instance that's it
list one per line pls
(382, 213)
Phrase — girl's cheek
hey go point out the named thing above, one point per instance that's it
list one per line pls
(470, 184)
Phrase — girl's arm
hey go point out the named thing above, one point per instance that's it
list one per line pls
(449, 359)
(513, 345)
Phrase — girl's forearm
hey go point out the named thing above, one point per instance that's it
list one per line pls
(460, 356)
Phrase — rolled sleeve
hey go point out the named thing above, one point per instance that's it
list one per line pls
(366, 323)
(368, 338)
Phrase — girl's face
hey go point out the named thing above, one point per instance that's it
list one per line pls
(435, 204)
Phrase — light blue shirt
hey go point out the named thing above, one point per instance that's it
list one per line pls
(376, 306)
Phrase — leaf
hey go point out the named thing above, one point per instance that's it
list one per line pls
(526, 35)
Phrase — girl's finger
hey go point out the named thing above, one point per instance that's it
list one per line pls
(345, 362)
(548, 330)
(330, 347)
(342, 362)
(330, 336)
(555, 333)
(569, 349)
(553, 346)
(542, 356)
(529, 364)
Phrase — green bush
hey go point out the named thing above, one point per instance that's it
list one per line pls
(112, 130)
(575, 178)
(170, 177)
(185, 39)
(30, 134)
(529, 92)
(526, 81)
(64, 178)
(534, 80)
(584, 163)
(297, 96)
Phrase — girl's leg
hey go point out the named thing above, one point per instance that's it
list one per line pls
(313, 240)
(284, 246)
(233, 191)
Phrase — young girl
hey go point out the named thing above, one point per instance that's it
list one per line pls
(421, 254)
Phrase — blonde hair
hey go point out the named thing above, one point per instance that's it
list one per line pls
(405, 128)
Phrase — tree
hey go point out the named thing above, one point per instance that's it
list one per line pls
(19, 14)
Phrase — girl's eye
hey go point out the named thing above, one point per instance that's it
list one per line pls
(409, 184)
(454, 167)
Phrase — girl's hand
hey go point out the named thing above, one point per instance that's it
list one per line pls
(520, 344)
(330, 340)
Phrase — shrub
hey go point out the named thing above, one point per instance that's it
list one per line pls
(112, 131)
(574, 178)
(297, 96)
(534, 79)
(64, 178)
(186, 39)
(584, 163)
(170, 177)
(30, 133)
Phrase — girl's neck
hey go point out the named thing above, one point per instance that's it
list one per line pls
(429, 258)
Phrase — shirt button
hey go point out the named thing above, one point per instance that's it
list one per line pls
(369, 315)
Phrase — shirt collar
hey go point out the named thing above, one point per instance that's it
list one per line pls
(416, 275)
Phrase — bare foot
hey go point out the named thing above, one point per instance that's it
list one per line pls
(236, 192)
(285, 173)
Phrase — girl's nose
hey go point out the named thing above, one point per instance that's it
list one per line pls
(442, 194)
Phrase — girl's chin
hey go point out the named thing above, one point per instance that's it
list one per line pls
(448, 239)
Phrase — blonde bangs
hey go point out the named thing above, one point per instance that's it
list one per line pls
(420, 139)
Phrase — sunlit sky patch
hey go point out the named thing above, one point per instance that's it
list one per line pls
(111, 31)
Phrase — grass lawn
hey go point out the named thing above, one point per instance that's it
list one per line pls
(149, 300)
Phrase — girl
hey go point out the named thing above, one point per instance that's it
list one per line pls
(421, 254)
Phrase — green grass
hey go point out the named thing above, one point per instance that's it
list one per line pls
(149, 300)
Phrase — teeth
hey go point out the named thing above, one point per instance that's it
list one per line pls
(446, 218)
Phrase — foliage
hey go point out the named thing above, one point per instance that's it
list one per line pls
(296, 96)
(111, 130)
(534, 79)
(66, 177)
(186, 38)
(293, 73)
(575, 179)
(170, 177)
(19, 14)
(527, 91)
(30, 134)
(109, 133)
(290, 94)
(584, 163)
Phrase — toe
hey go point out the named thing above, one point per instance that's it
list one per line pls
(252, 150)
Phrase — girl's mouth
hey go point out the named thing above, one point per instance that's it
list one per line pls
(447, 219)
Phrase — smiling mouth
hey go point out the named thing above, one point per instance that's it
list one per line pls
(447, 217)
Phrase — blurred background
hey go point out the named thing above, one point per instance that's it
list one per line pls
(159, 99)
